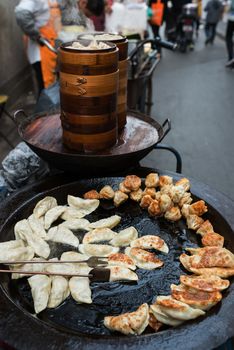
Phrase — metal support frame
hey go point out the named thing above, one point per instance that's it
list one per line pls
(176, 154)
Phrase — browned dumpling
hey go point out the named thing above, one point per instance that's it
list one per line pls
(212, 239)
(186, 199)
(150, 242)
(165, 180)
(185, 210)
(166, 189)
(211, 257)
(143, 259)
(176, 193)
(124, 189)
(120, 259)
(154, 208)
(206, 283)
(150, 191)
(107, 192)
(183, 182)
(194, 222)
(173, 214)
(165, 203)
(198, 208)
(91, 195)
(154, 323)
(152, 180)
(120, 198)
(146, 201)
(205, 227)
(195, 298)
(130, 322)
(132, 182)
(136, 195)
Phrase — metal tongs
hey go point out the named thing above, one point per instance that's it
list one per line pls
(97, 274)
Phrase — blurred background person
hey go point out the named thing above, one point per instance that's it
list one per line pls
(229, 35)
(40, 19)
(214, 11)
(157, 15)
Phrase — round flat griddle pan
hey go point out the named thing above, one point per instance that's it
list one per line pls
(73, 326)
(43, 135)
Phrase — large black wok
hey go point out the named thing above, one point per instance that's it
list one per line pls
(72, 326)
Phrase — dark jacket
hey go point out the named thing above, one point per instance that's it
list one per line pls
(214, 9)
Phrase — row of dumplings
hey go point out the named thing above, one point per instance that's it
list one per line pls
(187, 301)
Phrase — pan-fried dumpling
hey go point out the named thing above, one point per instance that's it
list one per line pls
(150, 242)
(152, 180)
(120, 259)
(212, 239)
(123, 189)
(154, 208)
(143, 259)
(52, 215)
(177, 309)
(130, 322)
(97, 249)
(211, 257)
(146, 200)
(205, 227)
(81, 268)
(136, 195)
(173, 214)
(61, 234)
(193, 221)
(76, 224)
(92, 194)
(198, 208)
(71, 213)
(176, 193)
(186, 199)
(124, 237)
(153, 322)
(36, 226)
(183, 182)
(44, 205)
(185, 211)
(120, 273)
(165, 180)
(132, 182)
(80, 289)
(86, 206)
(15, 254)
(119, 198)
(110, 222)
(206, 283)
(11, 244)
(107, 192)
(59, 291)
(40, 288)
(99, 235)
(151, 191)
(165, 203)
(23, 231)
(162, 317)
(195, 298)
(27, 267)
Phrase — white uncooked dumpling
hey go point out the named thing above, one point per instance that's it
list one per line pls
(164, 318)
(15, 254)
(59, 291)
(61, 234)
(80, 289)
(85, 206)
(23, 231)
(28, 267)
(177, 309)
(71, 213)
(37, 226)
(120, 273)
(99, 235)
(77, 224)
(150, 242)
(130, 322)
(97, 249)
(143, 259)
(64, 268)
(124, 237)
(52, 215)
(11, 244)
(40, 288)
(110, 222)
(44, 205)
(81, 268)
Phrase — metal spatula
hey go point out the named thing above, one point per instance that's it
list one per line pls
(97, 274)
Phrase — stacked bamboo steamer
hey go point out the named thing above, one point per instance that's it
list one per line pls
(89, 85)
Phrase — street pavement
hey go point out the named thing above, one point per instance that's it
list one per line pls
(196, 92)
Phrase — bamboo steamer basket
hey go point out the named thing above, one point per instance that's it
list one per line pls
(88, 91)
(122, 43)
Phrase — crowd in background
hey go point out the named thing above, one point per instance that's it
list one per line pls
(64, 19)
